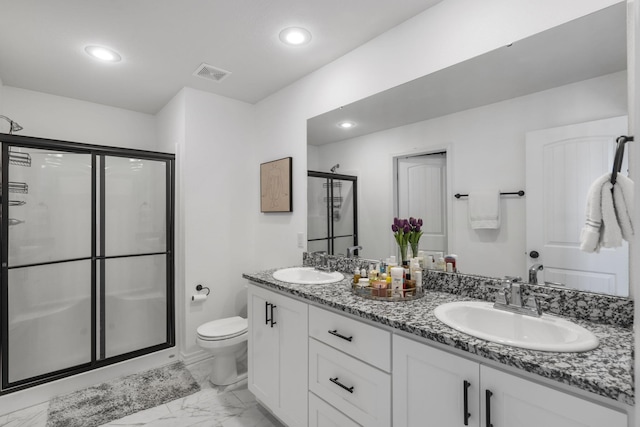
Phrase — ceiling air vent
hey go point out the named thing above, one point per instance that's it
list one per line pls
(210, 72)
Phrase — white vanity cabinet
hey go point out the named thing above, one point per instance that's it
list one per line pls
(349, 371)
(429, 387)
(278, 353)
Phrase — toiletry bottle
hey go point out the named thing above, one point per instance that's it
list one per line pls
(356, 275)
(451, 259)
(441, 266)
(418, 279)
(396, 280)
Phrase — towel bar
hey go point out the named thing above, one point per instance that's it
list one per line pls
(516, 193)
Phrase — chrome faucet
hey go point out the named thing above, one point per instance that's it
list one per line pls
(324, 258)
(509, 298)
(352, 249)
(533, 273)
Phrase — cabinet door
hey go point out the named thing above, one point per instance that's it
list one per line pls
(517, 402)
(291, 319)
(263, 345)
(278, 353)
(429, 387)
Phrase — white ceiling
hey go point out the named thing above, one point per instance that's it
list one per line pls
(163, 42)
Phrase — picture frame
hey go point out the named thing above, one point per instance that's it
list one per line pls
(276, 186)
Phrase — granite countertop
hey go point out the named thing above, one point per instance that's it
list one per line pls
(606, 370)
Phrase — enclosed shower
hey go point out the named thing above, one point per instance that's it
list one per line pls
(332, 212)
(87, 273)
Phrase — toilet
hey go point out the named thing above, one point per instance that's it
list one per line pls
(226, 339)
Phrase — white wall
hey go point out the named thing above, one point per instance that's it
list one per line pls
(217, 169)
(450, 32)
(486, 150)
(56, 117)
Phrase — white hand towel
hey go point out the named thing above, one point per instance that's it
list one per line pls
(601, 228)
(484, 209)
(623, 203)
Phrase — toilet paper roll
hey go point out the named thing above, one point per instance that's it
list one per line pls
(199, 297)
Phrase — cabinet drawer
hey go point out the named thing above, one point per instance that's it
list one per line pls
(358, 390)
(365, 342)
(321, 414)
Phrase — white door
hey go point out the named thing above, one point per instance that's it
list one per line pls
(561, 165)
(422, 189)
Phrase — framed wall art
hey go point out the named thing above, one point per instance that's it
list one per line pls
(276, 187)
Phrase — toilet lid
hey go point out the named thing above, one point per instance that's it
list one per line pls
(223, 328)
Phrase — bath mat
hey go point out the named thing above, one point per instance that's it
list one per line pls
(118, 398)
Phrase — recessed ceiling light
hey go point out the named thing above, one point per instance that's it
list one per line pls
(103, 53)
(346, 125)
(295, 36)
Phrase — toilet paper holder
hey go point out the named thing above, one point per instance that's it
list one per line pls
(200, 287)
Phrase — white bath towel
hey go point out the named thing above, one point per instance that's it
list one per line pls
(623, 203)
(484, 209)
(601, 228)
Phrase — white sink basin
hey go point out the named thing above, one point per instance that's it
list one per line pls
(307, 276)
(546, 333)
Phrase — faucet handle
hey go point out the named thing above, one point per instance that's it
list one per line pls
(504, 291)
(533, 302)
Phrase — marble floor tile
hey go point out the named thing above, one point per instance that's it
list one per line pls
(229, 406)
(34, 416)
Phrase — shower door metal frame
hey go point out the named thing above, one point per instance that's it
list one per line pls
(97, 284)
(329, 176)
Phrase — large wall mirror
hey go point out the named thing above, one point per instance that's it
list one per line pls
(487, 117)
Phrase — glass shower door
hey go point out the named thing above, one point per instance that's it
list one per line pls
(47, 262)
(135, 255)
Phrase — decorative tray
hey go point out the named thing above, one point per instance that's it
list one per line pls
(387, 294)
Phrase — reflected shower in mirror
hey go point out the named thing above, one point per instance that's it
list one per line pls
(332, 212)
(479, 113)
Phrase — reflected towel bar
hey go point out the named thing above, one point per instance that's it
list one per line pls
(513, 193)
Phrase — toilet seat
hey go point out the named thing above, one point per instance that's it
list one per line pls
(222, 329)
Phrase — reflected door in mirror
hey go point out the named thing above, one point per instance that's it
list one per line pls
(561, 165)
(422, 193)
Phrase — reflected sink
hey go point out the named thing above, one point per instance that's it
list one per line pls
(307, 276)
(545, 333)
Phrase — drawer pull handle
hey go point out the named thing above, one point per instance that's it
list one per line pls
(465, 392)
(335, 332)
(335, 381)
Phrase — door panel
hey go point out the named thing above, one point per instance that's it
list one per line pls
(561, 165)
(49, 318)
(422, 190)
(49, 207)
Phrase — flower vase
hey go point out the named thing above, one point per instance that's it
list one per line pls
(403, 254)
(414, 249)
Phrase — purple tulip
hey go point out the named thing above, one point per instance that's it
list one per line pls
(412, 221)
(396, 221)
(417, 229)
(394, 228)
(407, 228)
(420, 222)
